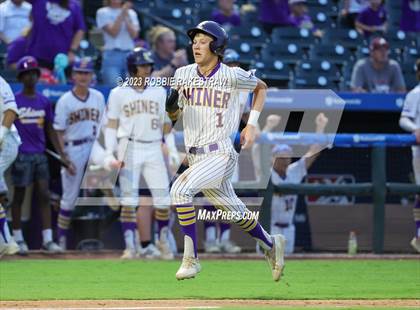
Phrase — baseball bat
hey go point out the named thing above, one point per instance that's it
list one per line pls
(57, 157)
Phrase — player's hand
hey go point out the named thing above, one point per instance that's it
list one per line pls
(174, 116)
(180, 58)
(71, 168)
(272, 122)
(321, 122)
(111, 163)
(248, 136)
(417, 134)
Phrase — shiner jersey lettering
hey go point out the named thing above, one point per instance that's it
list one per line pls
(211, 105)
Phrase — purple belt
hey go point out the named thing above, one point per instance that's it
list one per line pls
(202, 150)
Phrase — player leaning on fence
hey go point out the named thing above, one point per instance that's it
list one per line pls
(410, 121)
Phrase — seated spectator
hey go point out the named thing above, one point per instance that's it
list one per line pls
(410, 16)
(14, 19)
(377, 73)
(166, 58)
(120, 26)
(372, 19)
(351, 10)
(226, 14)
(299, 17)
(274, 13)
(57, 27)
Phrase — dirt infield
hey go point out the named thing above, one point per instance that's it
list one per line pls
(113, 254)
(207, 304)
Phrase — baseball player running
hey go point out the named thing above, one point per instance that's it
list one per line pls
(77, 119)
(210, 116)
(31, 164)
(9, 143)
(410, 121)
(221, 243)
(136, 119)
(283, 207)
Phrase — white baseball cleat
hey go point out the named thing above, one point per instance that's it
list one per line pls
(149, 252)
(415, 243)
(230, 247)
(23, 248)
(163, 245)
(12, 247)
(212, 247)
(129, 254)
(3, 249)
(52, 248)
(275, 256)
(62, 243)
(189, 268)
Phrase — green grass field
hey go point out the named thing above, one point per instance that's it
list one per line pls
(114, 279)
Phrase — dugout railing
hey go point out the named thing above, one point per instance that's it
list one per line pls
(378, 188)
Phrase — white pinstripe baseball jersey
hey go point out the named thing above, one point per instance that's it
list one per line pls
(411, 109)
(283, 207)
(80, 119)
(141, 114)
(211, 110)
(8, 101)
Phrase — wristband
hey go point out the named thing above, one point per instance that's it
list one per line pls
(253, 118)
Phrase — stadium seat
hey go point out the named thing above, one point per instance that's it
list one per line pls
(250, 33)
(323, 67)
(399, 41)
(285, 35)
(179, 17)
(289, 53)
(348, 38)
(411, 55)
(335, 53)
(314, 81)
(9, 75)
(363, 51)
(246, 51)
(180, 4)
(275, 74)
(87, 49)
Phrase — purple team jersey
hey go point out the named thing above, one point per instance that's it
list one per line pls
(33, 114)
(372, 18)
(410, 15)
(274, 12)
(53, 28)
(219, 17)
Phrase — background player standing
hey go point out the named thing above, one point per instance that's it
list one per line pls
(283, 207)
(410, 121)
(9, 143)
(77, 119)
(210, 117)
(31, 164)
(136, 115)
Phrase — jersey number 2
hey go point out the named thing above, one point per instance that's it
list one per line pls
(219, 120)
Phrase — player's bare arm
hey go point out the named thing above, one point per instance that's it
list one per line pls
(409, 125)
(249, 133)
(9, 117)
(111, 136)
(52, 135)
(60, 139)
(321, 121)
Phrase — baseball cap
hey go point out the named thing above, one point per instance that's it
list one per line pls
(27, 63)
(378, 43)
(281, 149)
(296, 1)
(83, 65)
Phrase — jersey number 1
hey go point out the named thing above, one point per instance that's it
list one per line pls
(219, 120)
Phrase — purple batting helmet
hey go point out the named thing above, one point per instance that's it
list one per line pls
(214, 30)
(83, 65)
(27, 63)
(139, 56)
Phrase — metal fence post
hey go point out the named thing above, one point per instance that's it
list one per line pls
(265, 211)
(379, 197)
